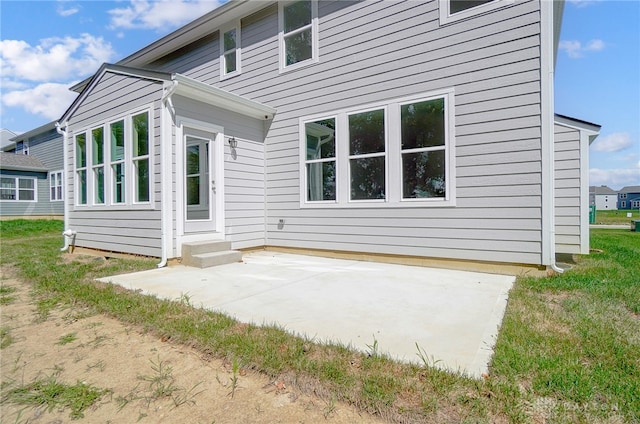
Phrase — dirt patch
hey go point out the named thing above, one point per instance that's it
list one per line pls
(147, 380)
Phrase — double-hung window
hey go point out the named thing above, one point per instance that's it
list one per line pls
(97, 164)
(453, 10)
(396, 154)
(367, 155)
(140, 138)
(55, 186)
(298, 33)
(81, 168)
(230, 51)
(116, 133)
(18, 189)
(320, 159)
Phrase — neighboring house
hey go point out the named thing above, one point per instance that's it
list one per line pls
(603, 198)
(31, 168)
(5, 138)
(629, 197)
(421, 129)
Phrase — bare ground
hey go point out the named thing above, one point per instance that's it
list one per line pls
(146, 379)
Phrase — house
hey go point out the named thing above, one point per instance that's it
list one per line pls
(31, 168)
(629, 197)
(5, 137)
(603, 198)
(410, 130)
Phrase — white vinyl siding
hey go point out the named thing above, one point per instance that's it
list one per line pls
(567, 189)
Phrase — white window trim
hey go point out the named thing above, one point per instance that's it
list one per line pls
(314, 37)
(304, 161)
(393, 154)
(17, 179)
(85, 168)
(446, 17)
(223, 74)
(93, 167)
(109, 204)
(58, 175)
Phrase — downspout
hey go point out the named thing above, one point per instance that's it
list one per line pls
(68, 234)
(548, 136)
(165, 163)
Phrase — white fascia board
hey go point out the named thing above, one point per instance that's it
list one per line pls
(214, 96)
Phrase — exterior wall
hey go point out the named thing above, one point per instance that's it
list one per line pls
(606, 202)
(567, 189)
(121, 229)
(376, 51)
(244, 186)
(629, 201)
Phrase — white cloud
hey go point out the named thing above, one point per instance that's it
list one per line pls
(66, 11)
(612, 143)
(575, 49)
(615, 178)
(159, 15)
(54, 59)
(49, 100)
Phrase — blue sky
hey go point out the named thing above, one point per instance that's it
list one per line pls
(47, 46)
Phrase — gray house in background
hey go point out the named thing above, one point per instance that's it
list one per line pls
(603, 198)
(31, 172)
(420, 131)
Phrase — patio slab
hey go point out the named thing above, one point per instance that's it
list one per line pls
(453, 316)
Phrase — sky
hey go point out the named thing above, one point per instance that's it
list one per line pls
(48, 46)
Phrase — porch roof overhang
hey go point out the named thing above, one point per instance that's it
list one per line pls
(591, 129)
(197, 90)
(18, 162)
(182, 85)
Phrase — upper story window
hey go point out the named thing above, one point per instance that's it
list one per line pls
(453, 10)
(22, 147)
(298, 33)
(18, 189)
(114, 168)
(230, 51)
(623, 195)
(400, 153)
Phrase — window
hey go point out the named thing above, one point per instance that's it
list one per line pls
(230, 52)
(97, 164)
(140, 138)
(18, 189)
(55, 186)
(400, 153)
(81, 168)
(635, 204)
(320, 163)
(623, 204)
(113, 162)
(367, 155)
(453, 10)
(623, 195)
(22, 147)
(298, 33)
(116, 131)
(423, 143)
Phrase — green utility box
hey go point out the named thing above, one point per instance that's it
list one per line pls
(592, 214)
(635, 225)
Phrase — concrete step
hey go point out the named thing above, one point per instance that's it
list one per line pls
(206, 260)
(209, 246)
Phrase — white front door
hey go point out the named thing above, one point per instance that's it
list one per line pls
(199, 182)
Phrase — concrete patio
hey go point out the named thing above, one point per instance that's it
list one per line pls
(453, 316)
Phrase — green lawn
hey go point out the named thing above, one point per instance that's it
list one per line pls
(616, 217)
(568, 350)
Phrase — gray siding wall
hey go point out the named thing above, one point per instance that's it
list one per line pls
(244, 185)
(48, 148)
(43, 207)
(567, 189)
(131, 230)
(380, 50)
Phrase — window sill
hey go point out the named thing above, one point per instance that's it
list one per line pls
(141, 206)
(409, 203)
